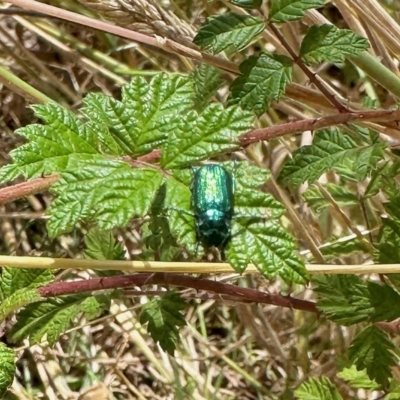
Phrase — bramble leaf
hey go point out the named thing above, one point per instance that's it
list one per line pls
(317, 389)
(13, 279)
(328, 43)
(372, 350)
(206, 81)
(291, 10)
(7, 370)
(357, 379)
(164, 318)
(102, 245)
(250, 201)
(269, 247)
(344, 299)
(263, 78)
(52, 317)
(247, 4)
(230, 32)
(342, 195)
(329, 149)
(109, 191)
(201, 136)
(16, 300)
(145, 116)
(385, 301)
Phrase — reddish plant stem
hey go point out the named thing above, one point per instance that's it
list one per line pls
(317, 123)
(311, 76)
(14, 192)
(123, 281)
(11, 193)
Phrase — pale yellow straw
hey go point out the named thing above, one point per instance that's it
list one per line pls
(179, 267)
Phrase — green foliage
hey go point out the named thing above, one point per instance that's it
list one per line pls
(18, 288)
(341, 194)
(201, 136)
(164, 318)
(247, 4)
(372, 350)
(13, 279)
(7, 369)
(317, 389)
(52, 317)
(357, 379)
(329, 149)
(228, 32)
(269, 247)
(385, 300)
(291, 10)
(101, 245)
(263, 78)
(206, 81)
(328, 43)
(344, 299)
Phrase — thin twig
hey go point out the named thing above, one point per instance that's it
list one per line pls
(317, 123)
(123, 281)
(311, 76)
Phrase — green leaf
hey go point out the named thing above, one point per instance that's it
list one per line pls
(329, 149)
(201, 136)
(317, 201)
(388, 244)
(291, 10)
(164, 318)
(385, 301)
(206, 81)
(250, 201)
(145, 116)
(13, 279)
(52, 317)
(358, 379)
(180, 214)
(111, 192)
(102, 245)
(344, 299)
(263, 78)
(372, 350)
(16, 300)
(50, 147)
(269, 247)
(337, 247)
(231, 32)
(247, 4)
(7, 370)
(328, 43)
(317, 389)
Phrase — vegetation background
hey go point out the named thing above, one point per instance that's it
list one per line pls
(227, 349)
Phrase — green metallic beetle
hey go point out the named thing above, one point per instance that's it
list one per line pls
(213, 205)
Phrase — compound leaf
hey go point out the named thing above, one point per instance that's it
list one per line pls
(144, 117)
(13, 279)
(317, 389)
(7, 370)
(372, 350)
(329, 149)
(344, 299)
(385, 301)
(230, 31)
(52, 317)
(263, 78)
(247, 4)
(201, 136)
(357, 379)
(328, 43)
(268, 246)
(16, 300)
(291, 10)
(164, 318)
(110, 191)
(206, 81)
